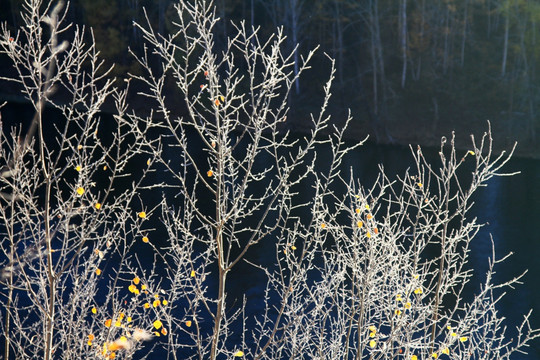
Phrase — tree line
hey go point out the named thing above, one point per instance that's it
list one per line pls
(399, 62)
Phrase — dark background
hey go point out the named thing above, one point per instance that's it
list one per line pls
(411, 71)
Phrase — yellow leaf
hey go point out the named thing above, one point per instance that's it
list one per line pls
(407, 305)
(239, 353)
(80, 191)
(188, 323)
(142, 215)
(98, 206)
(158, 324)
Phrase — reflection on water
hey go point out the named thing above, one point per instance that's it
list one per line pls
(511, 205)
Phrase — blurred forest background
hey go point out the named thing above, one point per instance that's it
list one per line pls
(411, 71)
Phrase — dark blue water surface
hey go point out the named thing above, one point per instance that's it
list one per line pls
(509, 205)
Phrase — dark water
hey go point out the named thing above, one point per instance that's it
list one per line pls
(510, 206)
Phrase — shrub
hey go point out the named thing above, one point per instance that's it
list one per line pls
(348, 271)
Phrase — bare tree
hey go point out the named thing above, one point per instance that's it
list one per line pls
(61, 218)
(351, 271)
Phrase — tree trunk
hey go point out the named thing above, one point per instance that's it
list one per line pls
(339, 46)
(295, 11)
(505, 48)
(446, 40)
(464, 36)
(403, 32)
(416, 74)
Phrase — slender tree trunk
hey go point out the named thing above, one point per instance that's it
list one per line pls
(378, 123)
(295, 11)
(505, 47)
(339, 46)
(374, 67)
(403, 32)
(488, 4)
(446, 40)
(374, 60)
(416, 74)
(464, 35)
(134, 8)
(380, 51)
